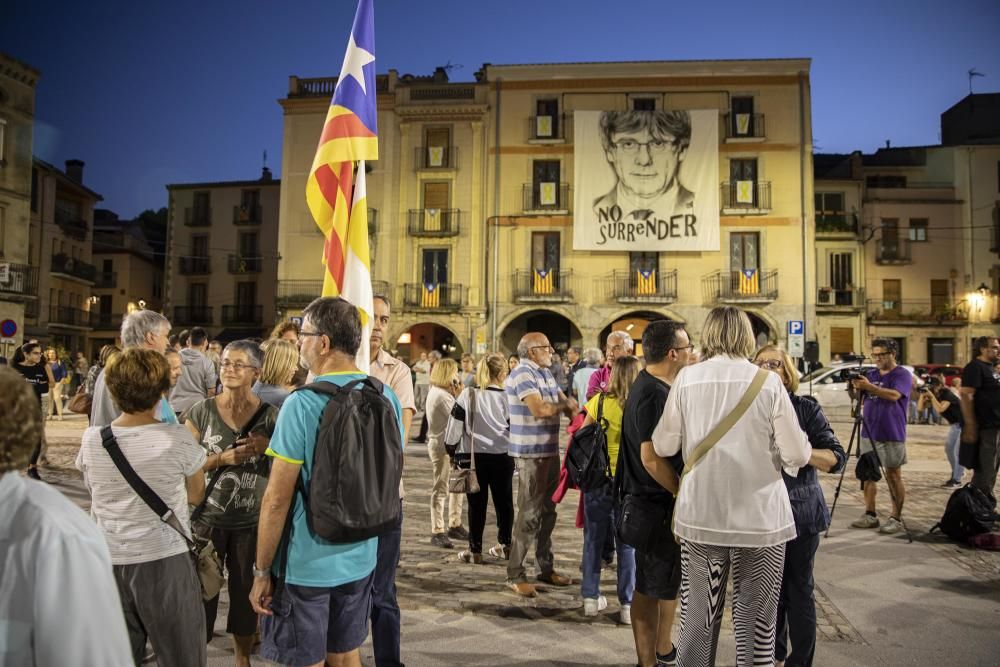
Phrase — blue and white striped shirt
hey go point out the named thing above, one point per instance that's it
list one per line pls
(531, 437)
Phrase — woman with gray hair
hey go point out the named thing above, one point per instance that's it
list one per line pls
(737, 430)
(235, 429)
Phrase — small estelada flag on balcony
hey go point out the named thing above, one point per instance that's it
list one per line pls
(749, 281)
(430, 297)
(542, 282)
(646, 282)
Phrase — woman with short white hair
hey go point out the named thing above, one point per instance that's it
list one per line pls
(737, 429)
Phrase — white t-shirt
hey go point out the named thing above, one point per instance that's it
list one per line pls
(58, 601)
(164, 456)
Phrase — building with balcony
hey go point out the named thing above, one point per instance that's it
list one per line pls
(222, 257)
(18, 277)
(60, 248)
(475, 187)
(129, 275)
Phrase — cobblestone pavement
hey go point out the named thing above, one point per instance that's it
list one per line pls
(431, 580)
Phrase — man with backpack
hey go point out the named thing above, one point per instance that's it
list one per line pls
(980, 392)
(318, 609)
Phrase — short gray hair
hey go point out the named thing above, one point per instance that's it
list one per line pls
(592, 356)
(337, 319)
(728, 332)
(383, 298)
(626, 340)
(140, 323)
(249, 348)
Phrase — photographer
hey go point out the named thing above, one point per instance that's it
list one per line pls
(946, 404)
(981, 411)
(885, 393)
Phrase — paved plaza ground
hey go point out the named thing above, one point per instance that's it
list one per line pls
(881, 600)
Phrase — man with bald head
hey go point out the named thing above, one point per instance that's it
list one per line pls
(619, 344)
(535, 402)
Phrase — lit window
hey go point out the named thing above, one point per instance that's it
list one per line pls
(918, 229)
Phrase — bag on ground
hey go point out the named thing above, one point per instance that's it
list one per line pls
(969, 512)
(353, 492)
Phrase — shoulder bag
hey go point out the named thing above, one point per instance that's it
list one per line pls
(81, 403)
(465, 480)
(206, 560)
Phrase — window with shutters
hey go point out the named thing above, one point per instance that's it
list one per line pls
(918, 229)
(545, 188)
(437, 148)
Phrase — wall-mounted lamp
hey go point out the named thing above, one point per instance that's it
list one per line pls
(404, 339)
(142, 304)
(94, 299)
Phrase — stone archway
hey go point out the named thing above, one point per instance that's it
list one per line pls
(559, 328)
(633, 323)
(764, 330)
(424, 337)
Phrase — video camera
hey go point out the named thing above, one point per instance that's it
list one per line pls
(852, 374)
(930, 384)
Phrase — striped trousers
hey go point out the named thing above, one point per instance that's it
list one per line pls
(756, 585)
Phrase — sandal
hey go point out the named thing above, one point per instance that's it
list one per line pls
(467, 556)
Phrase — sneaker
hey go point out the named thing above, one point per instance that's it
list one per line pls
(668, 660)
(500, 551)
(866, 521)
(951, 484)
(458, 533)
(441, 540)
(891, 527)
(523, 588)
(625, 615)
(591, 606)
(467, 556)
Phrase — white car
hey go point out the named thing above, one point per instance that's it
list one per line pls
(828, 385)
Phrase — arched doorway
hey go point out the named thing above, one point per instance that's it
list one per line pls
(762, 331)
(561, 331)
(425, 337)
(633, 324)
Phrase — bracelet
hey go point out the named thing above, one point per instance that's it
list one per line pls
(260, 574)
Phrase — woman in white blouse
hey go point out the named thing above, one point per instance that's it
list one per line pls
(445, 386)
(732, 511)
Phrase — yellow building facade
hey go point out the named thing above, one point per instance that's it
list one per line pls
(474, 203)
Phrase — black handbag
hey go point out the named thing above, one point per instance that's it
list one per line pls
(587, 461)
(644, 524)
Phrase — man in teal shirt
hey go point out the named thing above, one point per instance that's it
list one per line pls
(321, 613)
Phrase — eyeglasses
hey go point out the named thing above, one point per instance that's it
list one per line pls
(547, 348)
(310, 333)
(631, 146)
(879, 355)
(770, 364)
(689, 348)
(236, 366)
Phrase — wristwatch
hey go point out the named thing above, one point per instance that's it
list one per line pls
(260, 574)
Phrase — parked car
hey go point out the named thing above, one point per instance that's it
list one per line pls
(828, 385)
(948, 371)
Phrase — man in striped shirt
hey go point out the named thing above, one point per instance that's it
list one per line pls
(535, 402)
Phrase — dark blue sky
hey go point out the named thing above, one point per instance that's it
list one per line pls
(155, 93)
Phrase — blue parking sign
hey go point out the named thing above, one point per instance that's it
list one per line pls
(796, 327)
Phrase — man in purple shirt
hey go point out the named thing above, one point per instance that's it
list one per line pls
(619, 344)
(886, 395)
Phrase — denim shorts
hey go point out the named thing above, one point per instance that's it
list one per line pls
(310, 622)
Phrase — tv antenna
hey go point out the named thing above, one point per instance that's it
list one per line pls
(972, 74)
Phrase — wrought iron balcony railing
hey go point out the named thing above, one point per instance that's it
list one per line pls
(545, 197)
(744, 125)
(70, 317)
(852, 298)
(440, 296)
(436, 157)
(746, 196)
(646, 286)
(247, 215)
(197, 217)
(18, 281)
(930, 312)
(192, 316)
(242, 314)
(67, 266)
(746, 286)
(240, 264)
(438, 222)
(195, 266)
(892, 251)
(541, 286)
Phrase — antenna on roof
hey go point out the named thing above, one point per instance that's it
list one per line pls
(265, 159)
(973, 73)
(448, 66)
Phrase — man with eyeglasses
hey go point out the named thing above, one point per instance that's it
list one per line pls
(980, 396)
(535, 402)
(645, 149)
(618, 344)
(886, 392)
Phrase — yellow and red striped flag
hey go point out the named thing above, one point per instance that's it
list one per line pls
(336, 192)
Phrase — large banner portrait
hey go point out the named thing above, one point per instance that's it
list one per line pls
(646, 180)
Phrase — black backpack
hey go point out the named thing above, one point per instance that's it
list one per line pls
(969, 512)
(353, 491)
(587, 462)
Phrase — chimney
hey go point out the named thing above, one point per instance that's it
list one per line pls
(888, 144)
(74, 169)
(265, 175)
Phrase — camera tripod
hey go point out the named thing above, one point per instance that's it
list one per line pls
(857, 409)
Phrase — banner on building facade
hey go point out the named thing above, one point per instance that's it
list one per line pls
(646, 181)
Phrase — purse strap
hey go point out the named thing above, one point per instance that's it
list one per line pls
(726, 424)
(472, 427)
(140, 487)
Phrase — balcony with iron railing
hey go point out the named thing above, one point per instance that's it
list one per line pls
(745, 197)
(436, 157)
(18, 281)
(239, 264)
(645, 286)
(192, 316)
(829, 299)
(66, 266)
(105, 321)
(430, 297)
(434, 222)
(445, 92)
(243, 314)
(836, 223)
(197, 217)
(248, 215)
(72, 225)
(544, 197)
(106, 280)
(195, 266)
(540, 286)
(892, 251)
(917, 312)
(69, 317)
(298, 293)
(747, 286)
(744, 126)
(547, 129)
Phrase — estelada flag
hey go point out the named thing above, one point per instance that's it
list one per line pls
(336, 192)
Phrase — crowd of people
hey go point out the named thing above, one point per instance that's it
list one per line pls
(713, 475)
